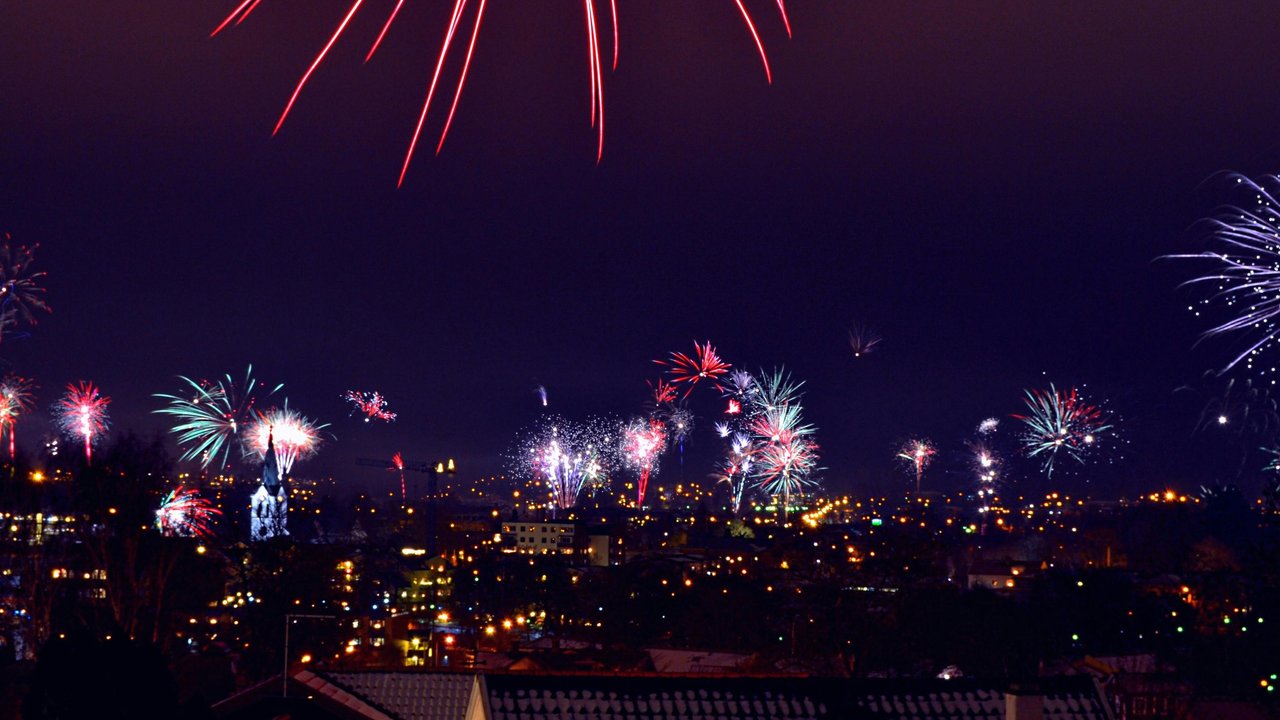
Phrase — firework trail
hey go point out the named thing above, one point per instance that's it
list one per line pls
(985, 465)
(541, 391)
(681, 422)
(1242, 269)
(704, 364)
(916, 455)
(397, 465)
(16, 398)
(183, 513)
(370, 404)
(736, 468)
(456, 28)
(1061, 421)
(863, 340)
(1238, 407)
(82, 413)
(209, 416)
(20, 294)
(643, 442)
(296, 436)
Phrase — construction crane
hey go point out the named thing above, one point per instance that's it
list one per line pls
(433, 471)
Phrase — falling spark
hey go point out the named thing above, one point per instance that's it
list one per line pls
(595, 70)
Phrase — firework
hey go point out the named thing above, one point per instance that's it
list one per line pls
(397, 465)
(20, 294)
(988, 426)
(916, 456)
(775, 390)
(736, 468)
(863, 340)
(209, 415)
(985, 465)
(1061, 422)
(783, 454)
(688, 370)
(1242, 270)
(681, 422)
(183, 513)
(643, 442)
(541, 392)
(567, 455)
(593, 9)
(16, 398)
(296, 436)
(661, 393)
(370, 404)
(1239, 407)
(82, 414)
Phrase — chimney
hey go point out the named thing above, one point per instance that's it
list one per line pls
(1023, 702)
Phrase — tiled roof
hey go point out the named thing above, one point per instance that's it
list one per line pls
(411, 695)
(1065, 698)
(333, 693)
(513, 697)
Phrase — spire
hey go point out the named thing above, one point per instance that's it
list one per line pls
(270, 466)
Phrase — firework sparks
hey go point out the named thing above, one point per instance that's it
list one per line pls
(20, 294)
(370, 404)
(704, 364)
(296, 437)
(541, 392)
(916, 456)
(397, 465)
(1239, 406)
(863, 340)
(643, 442)
(209, 416)
(183, 513)
(16, 398)
(661, 393)
(568, 456)
(988, 426)
(1061, 422)
(784, 454)
(736, 468)
(1243, 270)
(775, 390)
(82, 414)
(595, 67)
(985, 465)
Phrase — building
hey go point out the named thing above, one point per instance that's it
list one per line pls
(536, 538)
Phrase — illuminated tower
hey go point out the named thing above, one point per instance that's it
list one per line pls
(269, 508)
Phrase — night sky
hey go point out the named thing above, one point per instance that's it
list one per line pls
(987, 183)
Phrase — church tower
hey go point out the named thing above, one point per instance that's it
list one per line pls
(269, 508)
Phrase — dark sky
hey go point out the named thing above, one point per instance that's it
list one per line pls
(986, 182)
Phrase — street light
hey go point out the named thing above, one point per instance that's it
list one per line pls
(288, 620)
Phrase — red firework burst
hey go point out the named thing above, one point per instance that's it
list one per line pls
(688, 370)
